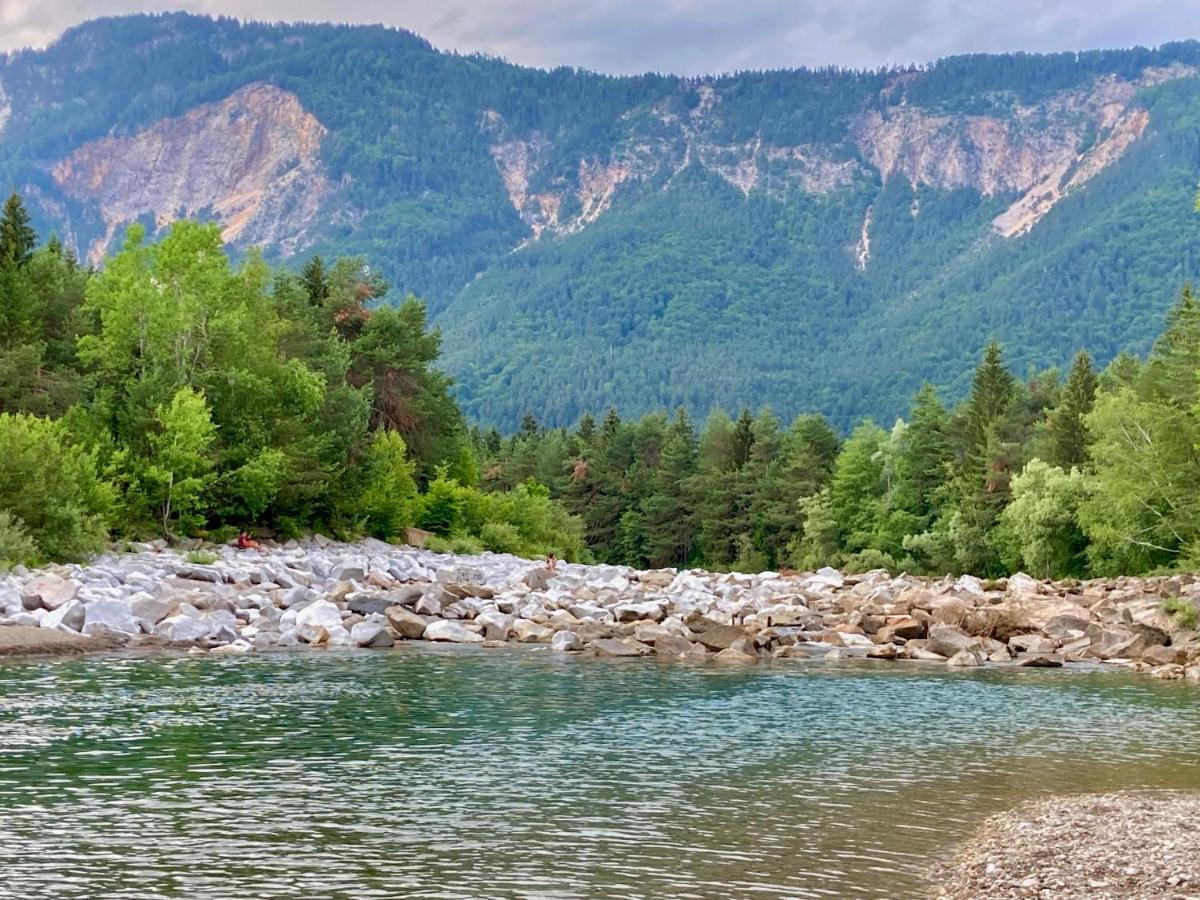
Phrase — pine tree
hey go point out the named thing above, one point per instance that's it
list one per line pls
(316, 281)
(668, 516)
(1068, 425)
(17, 237)
(992, 390)
(743, 439)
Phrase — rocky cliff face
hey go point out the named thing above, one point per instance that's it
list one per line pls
(251, 161)
(1039, 152)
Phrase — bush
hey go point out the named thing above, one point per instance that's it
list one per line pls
(16, 546)
(500, 537)
(51, 486)
(389, 490)
(201, 557)
(462, 546)
(1186, 614)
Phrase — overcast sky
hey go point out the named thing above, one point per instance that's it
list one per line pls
(690, 36)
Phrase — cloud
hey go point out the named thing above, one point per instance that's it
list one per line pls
(690, 36)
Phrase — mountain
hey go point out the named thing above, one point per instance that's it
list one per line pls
(813, 240)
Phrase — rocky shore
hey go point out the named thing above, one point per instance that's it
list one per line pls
(1091, 847)
(319, 593)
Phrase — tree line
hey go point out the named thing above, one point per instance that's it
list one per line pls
(174, 393)
(1094, 473)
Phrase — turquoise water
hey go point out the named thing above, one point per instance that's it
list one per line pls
(449, 773)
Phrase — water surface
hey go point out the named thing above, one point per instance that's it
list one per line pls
(442, 773)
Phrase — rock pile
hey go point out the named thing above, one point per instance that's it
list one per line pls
(319, 593)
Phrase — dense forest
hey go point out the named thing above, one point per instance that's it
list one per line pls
(177, 393)
(687, 290)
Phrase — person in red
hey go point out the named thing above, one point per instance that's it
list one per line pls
(245, 542)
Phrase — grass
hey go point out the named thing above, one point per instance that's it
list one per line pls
(1185, 613)
(201, 557)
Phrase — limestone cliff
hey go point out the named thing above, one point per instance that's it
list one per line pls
(250, 161)
(1040, 153)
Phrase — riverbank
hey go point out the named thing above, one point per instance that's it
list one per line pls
(1090, 847)
(319, 593)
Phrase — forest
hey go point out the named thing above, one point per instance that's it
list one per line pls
(686, 290)
(175, 393)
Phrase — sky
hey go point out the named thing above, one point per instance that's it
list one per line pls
(689, 36)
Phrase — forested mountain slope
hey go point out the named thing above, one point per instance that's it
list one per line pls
(814, 240)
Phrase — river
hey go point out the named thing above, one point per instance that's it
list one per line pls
(424, 772)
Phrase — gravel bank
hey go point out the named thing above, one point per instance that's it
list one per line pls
(1090, 847)
(19, 640)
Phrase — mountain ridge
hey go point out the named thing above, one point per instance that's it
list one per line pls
(565, 227)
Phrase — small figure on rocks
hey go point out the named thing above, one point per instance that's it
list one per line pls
(551, 562)
(245, 542)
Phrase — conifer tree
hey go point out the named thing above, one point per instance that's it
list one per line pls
(17, 237)
(1067, 422)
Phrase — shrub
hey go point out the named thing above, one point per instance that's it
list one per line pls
(16, 546)
(1185, 613)
(500, 537)
(51, 486)
(389, 490)
(201, 557)
(463, 546)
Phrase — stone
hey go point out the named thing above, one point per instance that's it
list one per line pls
(182, 628)
(734, 656)
(1155, 656)
(528, 632)
(47, 592)
(370, 604)
(566, 641)
(720, 637)
(620, 647)
(68, 617)
(319, 614)
(672, 645)
(235, 648)
(883, 651)
(965, 659)
(1120, 643)
(1032, 643)
(109, 618)
(407, 624)
(429, 605)
(350, 570)
(370, 633)
(635, 612)
(210, 574)
(1065, 626)
(538, 579)
(948, 640)
(906, 628)
(1040, 661)
(149, 610)
(453, 632)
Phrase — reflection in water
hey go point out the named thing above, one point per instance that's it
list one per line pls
(445, 773)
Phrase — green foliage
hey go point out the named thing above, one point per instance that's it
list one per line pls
(1040, 531)
(201, 557)
(389, 489)
(178, 470)
(1185, 612)
(16, 544)
(50, 489)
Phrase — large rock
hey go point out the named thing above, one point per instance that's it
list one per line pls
(528, 632)
(370, 604)
(370, 633)
(905, 628)
(319, 613)
(407, 624)
(672, 645)
(109, 618)
(947, 640)
(149, 610)
(69, 617)
(965, 659)
(620, 647)
(454, 632)
(636, 612)
(182, 628)
(734, 656)
(1157, 655)
(47, 592)
(720, 637)
(1040, 661)
(1032, 643)
(566, 641)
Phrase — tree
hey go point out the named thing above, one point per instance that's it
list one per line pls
(668, 510)
(1040, 530)
(1068, 421)
(388, 491)
(17, 237)
(178, 470)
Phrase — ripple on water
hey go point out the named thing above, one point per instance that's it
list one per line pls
(449, 774)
